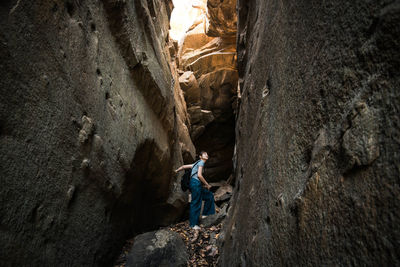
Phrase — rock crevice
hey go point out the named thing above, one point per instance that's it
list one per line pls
(207, 61)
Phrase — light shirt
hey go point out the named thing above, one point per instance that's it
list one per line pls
(195, 169)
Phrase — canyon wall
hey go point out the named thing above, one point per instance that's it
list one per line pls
(92, 124)
(317, 135)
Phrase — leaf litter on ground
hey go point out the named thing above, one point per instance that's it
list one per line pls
(202, 250)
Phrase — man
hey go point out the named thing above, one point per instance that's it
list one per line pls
(199, 193)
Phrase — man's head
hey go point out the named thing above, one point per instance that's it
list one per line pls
(203, 155)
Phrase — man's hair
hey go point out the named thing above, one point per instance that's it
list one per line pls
(202, 152)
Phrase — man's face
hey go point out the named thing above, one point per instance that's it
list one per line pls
(204, 156)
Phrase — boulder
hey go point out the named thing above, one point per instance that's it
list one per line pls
(158, 248)
(223, 193)
(200, 116)
(216, 218)
(190, 88)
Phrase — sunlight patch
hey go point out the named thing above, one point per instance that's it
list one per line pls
(185, 13)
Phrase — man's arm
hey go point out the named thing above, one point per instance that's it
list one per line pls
(188, 166)
(201, 177)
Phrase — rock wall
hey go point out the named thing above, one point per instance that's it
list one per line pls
(317, 135)
(207, 58)
(92, 123)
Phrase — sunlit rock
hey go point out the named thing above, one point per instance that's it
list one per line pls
(221, 17)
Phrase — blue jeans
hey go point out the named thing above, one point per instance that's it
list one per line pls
(199, 194)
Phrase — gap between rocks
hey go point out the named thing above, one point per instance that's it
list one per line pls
(205, 62)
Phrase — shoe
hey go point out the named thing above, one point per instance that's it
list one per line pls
(204, 216)
(196, 227)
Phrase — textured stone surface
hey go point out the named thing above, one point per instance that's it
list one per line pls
(158, 248)
(194, 39)
(190, 86)
(91, 126)
(221, 18)
(214, 219)
(317, 136)
(223, 193)
(360, 140)
(220, 51)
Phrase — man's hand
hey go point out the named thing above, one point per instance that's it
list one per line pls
(208, 186)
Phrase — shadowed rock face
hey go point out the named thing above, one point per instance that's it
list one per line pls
(209, 83)
(92, 124)
(317, 136)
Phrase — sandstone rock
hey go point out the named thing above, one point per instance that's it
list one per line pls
(184, 15)
(221, 17)
(215, 45)
(92, 124)
(200, 116)
(197, 131)
(316, 136)
(194, 39)
(218, 91)
(158, 248)
(211, 62)
(189, 85)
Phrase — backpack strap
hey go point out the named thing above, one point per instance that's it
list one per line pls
(191, 175)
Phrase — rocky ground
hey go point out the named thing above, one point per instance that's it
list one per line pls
(201, 246)
(178, 244)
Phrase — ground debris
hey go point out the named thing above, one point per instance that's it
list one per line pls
(202, 251)
(202, 248)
